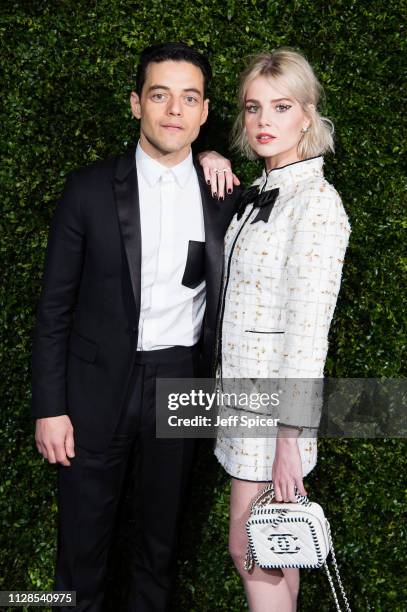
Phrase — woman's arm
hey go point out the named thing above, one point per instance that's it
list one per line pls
(314, 271)
(218, 173)
(314, 265)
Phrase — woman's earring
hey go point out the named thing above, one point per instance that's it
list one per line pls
(305, 130)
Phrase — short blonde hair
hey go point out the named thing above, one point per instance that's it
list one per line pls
(295, 73)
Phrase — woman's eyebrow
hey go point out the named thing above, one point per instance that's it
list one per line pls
(273, 101)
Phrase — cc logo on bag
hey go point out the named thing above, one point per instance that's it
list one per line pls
(283, 543)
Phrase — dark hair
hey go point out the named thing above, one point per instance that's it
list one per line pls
(175, 51)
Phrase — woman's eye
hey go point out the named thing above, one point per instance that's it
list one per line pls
(252, 108)
(281, 108)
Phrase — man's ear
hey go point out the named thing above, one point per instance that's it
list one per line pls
(135, 105)
(205, 111)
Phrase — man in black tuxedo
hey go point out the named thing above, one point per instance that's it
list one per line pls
(130, 293)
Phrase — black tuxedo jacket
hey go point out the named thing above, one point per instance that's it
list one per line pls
(86, 334)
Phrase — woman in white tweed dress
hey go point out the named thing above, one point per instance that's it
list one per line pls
(282, 274)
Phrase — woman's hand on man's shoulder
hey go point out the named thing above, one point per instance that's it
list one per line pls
(218, 173)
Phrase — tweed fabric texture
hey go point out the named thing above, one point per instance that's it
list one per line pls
(280, 297)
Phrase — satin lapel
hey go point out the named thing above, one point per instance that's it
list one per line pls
(128, 209)
(213, 244)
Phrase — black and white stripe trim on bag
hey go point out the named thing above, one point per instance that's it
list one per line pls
(265, 497)
(269, 495)
(318, 551)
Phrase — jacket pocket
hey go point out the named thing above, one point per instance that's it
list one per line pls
(194, 272)
(262, 331)
(82, 347)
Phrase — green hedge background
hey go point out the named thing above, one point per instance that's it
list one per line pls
(67, 70)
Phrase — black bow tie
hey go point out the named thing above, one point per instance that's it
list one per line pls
(264, 201)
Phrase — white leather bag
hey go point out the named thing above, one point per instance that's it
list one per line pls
(290, 535)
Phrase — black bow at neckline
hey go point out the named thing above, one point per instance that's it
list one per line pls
(264, 201)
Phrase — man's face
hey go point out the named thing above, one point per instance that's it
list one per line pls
(171, 109)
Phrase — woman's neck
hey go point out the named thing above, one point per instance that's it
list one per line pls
(278, 161)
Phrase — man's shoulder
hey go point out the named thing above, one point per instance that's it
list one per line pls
(104, 169)
(230, 199)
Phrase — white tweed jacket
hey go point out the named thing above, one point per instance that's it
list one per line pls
(282, 278)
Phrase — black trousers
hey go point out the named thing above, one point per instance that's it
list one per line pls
(90, 488)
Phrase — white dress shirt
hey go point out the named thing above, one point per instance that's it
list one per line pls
(171, 215)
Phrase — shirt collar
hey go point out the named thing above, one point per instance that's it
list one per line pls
(152, 170)
(292, 173)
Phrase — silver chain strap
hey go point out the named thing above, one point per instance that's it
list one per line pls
(345, 599)
(331, 582)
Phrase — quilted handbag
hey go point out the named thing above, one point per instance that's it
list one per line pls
(290, 535)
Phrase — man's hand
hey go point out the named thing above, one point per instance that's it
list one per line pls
(54, 439)
(218, 173)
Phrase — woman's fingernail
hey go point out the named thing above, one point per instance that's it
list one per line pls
(214, 194)
(221, 198)
(229, 191)
(208, 182)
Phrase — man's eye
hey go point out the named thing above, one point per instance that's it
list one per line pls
(281, 108)
(252, 108)
(158, 97)
(191, 100)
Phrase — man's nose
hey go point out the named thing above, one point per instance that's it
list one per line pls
(174, 106)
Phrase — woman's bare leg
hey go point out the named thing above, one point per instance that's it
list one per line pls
(266, 590)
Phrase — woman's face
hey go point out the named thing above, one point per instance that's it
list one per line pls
(273, 121)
